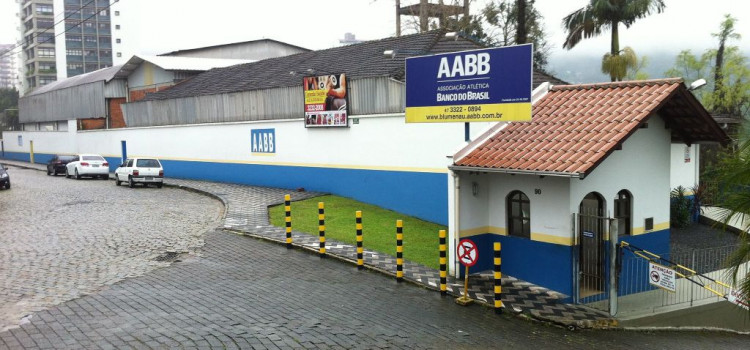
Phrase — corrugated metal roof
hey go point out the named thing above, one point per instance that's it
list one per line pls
(178, 52)
(177, 63)
(104, 74)
(363, 60)
(575, 127)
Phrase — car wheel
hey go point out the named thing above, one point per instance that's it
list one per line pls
(7, 185)
(117, 180)
(131, 183)
(159, 185)
(78, 177)
(48, 172)
(67, 175)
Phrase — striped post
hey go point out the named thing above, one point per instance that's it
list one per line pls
(399, 251)
(498, 289)
(322, 229)
(360, 249)
(288, 219)
(443, 264)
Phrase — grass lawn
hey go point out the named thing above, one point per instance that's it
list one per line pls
(378, 227)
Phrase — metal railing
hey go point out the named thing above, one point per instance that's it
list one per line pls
(711, 275)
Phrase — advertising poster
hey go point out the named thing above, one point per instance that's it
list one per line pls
(470, 86)
(326, 101)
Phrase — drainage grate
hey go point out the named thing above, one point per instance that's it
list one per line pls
(167, 257)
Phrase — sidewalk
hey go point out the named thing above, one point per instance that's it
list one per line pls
(247, 213)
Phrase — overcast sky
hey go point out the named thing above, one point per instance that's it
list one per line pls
(165, 25)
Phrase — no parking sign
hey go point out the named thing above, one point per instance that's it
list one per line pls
(467, 252)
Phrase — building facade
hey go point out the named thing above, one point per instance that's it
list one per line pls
(65, 38)
(8, 70)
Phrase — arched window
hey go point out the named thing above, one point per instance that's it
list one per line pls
(623, 212)
(519, 214)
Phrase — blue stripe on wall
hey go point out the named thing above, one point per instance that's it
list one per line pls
(634, 270)
(551, 265)
(544, 264)
(423, 195)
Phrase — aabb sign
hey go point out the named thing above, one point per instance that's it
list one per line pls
(470, 86)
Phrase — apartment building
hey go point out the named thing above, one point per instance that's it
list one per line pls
(8, 70)
(65, 38)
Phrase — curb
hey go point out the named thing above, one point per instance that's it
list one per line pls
(531, 315)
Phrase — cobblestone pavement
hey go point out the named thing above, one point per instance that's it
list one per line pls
(247, 212)
(243, 293)
(239, 292)
(61, 238)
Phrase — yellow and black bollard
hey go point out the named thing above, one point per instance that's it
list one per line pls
(399, 251)
(322, 229)
(360, 249)
(443, 265)
(288, 219)
(498, 277)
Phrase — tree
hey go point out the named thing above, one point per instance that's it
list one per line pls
(725, 33)
(727, 93)
(638, 72)
(730, 96)
(601, 15)
(8, 99)
(734, 177)
(518, 22)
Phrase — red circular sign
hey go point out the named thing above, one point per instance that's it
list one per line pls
(467, 252)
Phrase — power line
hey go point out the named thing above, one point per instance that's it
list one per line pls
(35, 35)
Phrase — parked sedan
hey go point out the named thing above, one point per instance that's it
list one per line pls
(140, 170)
(57, 164)
(92, 165)
(4, 178)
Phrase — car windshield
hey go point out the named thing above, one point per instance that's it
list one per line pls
(92, 158)
(147, 163)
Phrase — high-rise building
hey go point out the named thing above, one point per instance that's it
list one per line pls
(64, 38)
(8, 70)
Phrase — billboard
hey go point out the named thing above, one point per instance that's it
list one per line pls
(326, 101)
(470, 86)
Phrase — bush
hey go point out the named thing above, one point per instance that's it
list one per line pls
(681, 208)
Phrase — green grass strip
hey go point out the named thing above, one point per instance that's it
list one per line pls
(379, 227)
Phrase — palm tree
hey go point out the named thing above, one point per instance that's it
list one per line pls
(600, 15)
(734, 176)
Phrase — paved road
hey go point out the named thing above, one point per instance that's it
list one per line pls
(62, 238)
(240, 292)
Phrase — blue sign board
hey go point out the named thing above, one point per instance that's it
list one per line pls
(470, 86)
(263, 140)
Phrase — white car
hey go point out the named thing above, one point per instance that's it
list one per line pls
(92, 165)
(140, 170)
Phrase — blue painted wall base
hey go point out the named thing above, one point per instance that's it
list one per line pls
(423, 195)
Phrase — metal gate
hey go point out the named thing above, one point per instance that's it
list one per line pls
(590, 263)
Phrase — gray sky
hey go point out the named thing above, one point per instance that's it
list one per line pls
(166, 25)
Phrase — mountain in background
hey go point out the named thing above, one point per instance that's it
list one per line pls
(581, 69)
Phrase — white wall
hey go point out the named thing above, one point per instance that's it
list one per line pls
(641, 167)
(486, 212)
(377, 142)
(684, 173)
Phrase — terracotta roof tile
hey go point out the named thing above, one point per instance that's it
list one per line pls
(575, 127)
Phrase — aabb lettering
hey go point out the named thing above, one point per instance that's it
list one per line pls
(465, 65)
(263, 141)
